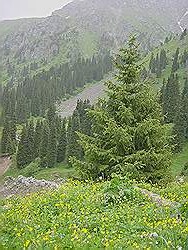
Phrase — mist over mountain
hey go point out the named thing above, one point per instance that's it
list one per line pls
(102, 24)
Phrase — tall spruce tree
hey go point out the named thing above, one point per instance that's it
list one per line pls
(85, 120)
(171, 100)
(152, 64)
(163, 59)
(62, 143)
(185, 107)
(8, 140)
(175, 64)
(73, 147)
(44, 145)
(51, 118)
(26, 146)
(37, 138)
(158, 66)
(52, 148)
(128, 133)
(181, 121)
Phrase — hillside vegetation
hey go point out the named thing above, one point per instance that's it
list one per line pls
(86, 173)
(110, 215)
(83, 28)
(170, 48)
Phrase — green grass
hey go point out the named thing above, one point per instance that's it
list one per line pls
(103, 215)
(59, 171)
(179, 161)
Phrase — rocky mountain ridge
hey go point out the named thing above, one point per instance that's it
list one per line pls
(82, 28)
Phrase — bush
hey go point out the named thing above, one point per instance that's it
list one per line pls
(121, 189)
(31, 169)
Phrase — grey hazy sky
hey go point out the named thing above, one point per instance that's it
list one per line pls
(12, 9)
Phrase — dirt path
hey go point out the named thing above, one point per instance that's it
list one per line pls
(4, 164)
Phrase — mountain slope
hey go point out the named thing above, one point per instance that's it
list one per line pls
(96, 91)
(82, 28)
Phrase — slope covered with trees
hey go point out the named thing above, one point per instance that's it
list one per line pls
(62, 137)
(122, 140)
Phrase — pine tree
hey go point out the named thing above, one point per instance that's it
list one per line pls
(31, 140)
(23, 149)
(51, 116)
(53, 124)
(44, 145)
(73, 147)
(37, 138)
(62, 143)
(171, 99)
(181, 121)
(175, 64)
(163, 59)
(185, 107)
(128, 133)
(52, 148)
(8, 140)
(162, 93)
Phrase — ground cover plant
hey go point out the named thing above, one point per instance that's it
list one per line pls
(111, 215)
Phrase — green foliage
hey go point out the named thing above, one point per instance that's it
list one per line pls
(50, 140)
(181, 119)
(79, 122)
(185, 169)
(128, 131)
(32, 169)
(62, 143)
(121, 189)
(73, 147)
(175, 65)
(26, 148)
(44, 145)
(158, 64)
(75, 217)
(179, 161)
(8, 138)
(35, 94)
(37, 138)
(171, 99)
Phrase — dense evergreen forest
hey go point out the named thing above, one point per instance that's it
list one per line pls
(33, 130)
(34, 95)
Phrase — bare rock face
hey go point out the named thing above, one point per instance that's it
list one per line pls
(25, 185)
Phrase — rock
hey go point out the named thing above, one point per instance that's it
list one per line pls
(25, 185)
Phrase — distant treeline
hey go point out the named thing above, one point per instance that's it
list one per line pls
(34, 95)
